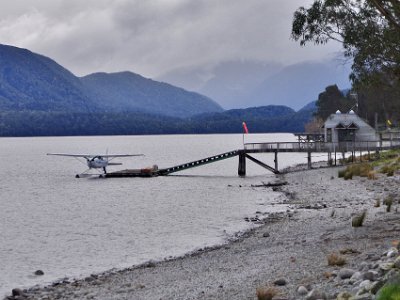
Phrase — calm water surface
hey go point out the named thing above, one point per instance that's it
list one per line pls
(71, 227)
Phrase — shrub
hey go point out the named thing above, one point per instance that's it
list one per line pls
(384, 169)
(388, 202)
(358, 221)
(364, 169)
(371, 175)
(360, 169)
(267, 293)
(348, 175)
(335, 259)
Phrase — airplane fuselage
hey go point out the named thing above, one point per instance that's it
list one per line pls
(97, 163)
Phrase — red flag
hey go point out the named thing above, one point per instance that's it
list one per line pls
(245, 127)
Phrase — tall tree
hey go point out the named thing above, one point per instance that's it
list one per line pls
(331, 100)
(368, 29)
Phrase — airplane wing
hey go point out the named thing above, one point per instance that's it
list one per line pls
(91, 155)
(119, 155)
(71, 155)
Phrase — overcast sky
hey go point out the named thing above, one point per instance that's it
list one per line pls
(151, 37)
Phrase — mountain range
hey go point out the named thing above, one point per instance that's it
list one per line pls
(40, 97)
(30, 81)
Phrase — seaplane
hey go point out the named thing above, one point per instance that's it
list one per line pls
(98, 163)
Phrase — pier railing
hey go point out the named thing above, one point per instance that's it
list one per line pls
(304, 146)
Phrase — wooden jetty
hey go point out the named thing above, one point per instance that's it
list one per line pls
(302, 145)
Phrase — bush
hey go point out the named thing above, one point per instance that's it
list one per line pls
(348, 175)
(371, 175)
(335, 259)
(388, 202)
(266, 293)
(358, 221)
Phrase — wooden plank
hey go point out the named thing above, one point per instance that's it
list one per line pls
(260, 163)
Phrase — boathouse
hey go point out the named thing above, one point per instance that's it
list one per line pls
(348, 127)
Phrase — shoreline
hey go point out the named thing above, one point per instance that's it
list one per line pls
(292, 247)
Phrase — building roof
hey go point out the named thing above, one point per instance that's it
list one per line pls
(345, 121)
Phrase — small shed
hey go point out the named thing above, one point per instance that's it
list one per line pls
(348, 127)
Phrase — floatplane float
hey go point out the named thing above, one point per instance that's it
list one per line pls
(97, 163)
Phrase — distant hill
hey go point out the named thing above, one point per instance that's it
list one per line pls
(33, 82)
(29, 81)
(310, 106)
(259, 120)
(127, 91)
(271, 118)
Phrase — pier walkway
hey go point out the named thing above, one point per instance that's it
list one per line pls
(331, 149)
(198, 163)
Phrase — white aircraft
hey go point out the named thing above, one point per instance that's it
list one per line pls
(96, 161)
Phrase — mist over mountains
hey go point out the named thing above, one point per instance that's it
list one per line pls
(238, 84)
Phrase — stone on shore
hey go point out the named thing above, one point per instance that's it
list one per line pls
(371, 275)
(346, 273)
(316, 294)
(393, 252)
(396, 263)
(280, 282)
(302, 290)
(17, 292)
(344, 296)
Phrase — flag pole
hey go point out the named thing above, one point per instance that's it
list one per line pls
(245, 130)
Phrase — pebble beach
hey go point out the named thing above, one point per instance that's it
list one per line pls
(287, 254)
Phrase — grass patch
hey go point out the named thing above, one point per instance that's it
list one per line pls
(267, 292)
(335, 259)
(362, 170)
(387, 162)
(358, 220)
(349, 251)
(389, 292)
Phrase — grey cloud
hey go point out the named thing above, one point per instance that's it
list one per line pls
(154, 36)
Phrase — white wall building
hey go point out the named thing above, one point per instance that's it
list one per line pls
(348, 127)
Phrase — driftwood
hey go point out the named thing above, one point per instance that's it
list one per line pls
(270, 184)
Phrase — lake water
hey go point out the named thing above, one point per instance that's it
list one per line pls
(71, 227)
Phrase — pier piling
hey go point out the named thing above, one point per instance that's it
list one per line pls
(242, 164)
